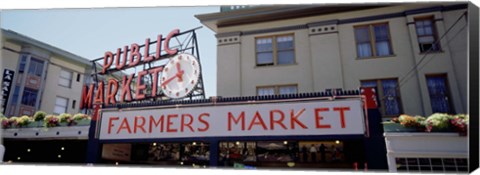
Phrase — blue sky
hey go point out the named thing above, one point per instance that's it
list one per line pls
(90, 32)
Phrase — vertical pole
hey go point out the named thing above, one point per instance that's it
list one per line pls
(213, 152)
(93, 149)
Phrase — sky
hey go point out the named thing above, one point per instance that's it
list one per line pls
(90, 32)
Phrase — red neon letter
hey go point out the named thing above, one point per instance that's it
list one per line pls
(189, 124)
(294, 119)
(107, 61)
(231, 117)
(155, 72)
(318, 118)
(119, 64)
(169, 122)
(342, 114)
(166, 46)
(159, 47)
(112, 83)
(279, 121)
(204, 122)
(126, 88)
(99, 96)
(139, 125)
(140, 87)
(124, 125)
(134, 55)
(152, 123)
(87, 97)
(146, 54)
(110, 124)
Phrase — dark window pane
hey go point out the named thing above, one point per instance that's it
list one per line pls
(381, 32)
(265, 58)
(448, 162)
(400, 161)
(437, 169)
(424, 161)
(362, 34)
(390, 97)
(425, 169)
(437, 90)
(15, 95)
(450, 169)
(436, 161)
(29, 97)
(23, 62)
(285, 57)
(461, 162)
(463, 169)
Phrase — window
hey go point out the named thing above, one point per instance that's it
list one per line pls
(459, 165)
(275, 50)
(74, 103)
(388, 93)
(426, 34)
(15, 95)
(60, 105)
(439, 93)
(23, 62)
(36, 67)
(78, 77)
(65, 78)
(272, 90)
(29, 97)
(373, 40)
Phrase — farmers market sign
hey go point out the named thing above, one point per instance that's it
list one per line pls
(338, 117)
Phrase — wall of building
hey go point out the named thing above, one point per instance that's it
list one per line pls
(54, 90)
(329, 59)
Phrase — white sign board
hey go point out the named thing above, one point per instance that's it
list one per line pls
(272, 119)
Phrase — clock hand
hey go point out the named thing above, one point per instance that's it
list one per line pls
(168, 80)
(179, 72)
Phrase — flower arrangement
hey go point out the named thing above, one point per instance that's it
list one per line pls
(51, 121)
(4, 121)
(39, 116)
(438, 122)
(13, 121)
(23, 121)
(66, 119)
(81, 119)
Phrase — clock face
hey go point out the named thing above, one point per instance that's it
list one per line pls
(180, 75)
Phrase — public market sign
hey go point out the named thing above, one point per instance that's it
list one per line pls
(338, 117)
(178, 77)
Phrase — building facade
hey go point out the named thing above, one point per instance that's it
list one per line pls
(41, 77)
(414, 54)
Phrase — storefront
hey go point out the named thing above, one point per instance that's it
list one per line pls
(298, 131)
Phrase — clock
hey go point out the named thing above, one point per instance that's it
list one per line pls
(180, 75)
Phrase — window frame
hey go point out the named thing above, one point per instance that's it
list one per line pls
(431, 18)
(28, 91)
(276, 88)
(69, 80)
(275, 50)
(371, 32)
(447, 88)
(36, 62)
(381, 96)
(65, 107)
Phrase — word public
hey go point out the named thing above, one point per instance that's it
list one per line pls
(123, 59)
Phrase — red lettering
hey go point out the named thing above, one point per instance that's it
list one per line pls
(146, 54)
(294, 119)
(279, 121)
(153, 122)
(126, 88)
(189, 124)
(135, 55)
(342, 114)
(124, 125)
(119, 64)
(318, 118)
(110, 124)
(203, 121)
(139, 125)
(259, 122)
(87, 95)
(99, 96)
(170, 123)
(166, 46)
(158, 54)
(112, 83)
(231, 117)
(107, 61)
(140, 87)
(155, 72)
